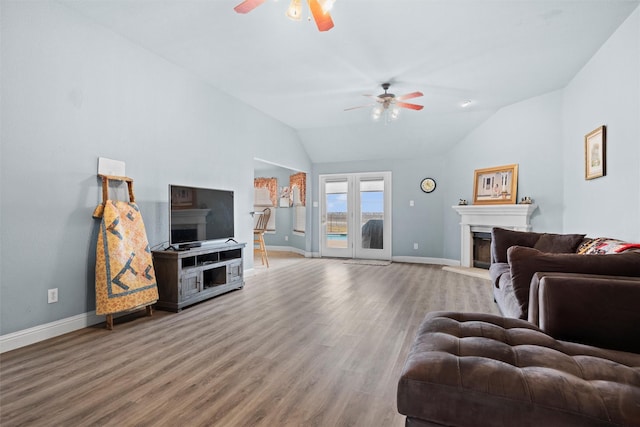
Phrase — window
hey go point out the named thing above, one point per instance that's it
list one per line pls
(265, 196)
(298, 185)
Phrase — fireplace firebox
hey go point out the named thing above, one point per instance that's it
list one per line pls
(481, 250)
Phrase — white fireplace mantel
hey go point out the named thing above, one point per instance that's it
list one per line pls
(482, 218)
(186, 219)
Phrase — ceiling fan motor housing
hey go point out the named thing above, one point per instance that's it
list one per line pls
(386, 98)
(386, 87)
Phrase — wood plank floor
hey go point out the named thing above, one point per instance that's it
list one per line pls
(307, 342)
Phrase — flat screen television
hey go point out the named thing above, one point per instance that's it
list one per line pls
(198, 215)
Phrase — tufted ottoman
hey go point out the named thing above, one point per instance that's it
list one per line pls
(468, 369)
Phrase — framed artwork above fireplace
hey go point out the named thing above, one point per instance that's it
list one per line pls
(496, 185)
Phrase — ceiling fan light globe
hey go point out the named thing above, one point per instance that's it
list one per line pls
(294, 11)
(327, 5)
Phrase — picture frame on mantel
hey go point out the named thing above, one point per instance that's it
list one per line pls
(595, 160)
(495, 186)
(182, 198)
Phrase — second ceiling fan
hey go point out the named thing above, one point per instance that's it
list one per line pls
(320, 13)
(390, 103)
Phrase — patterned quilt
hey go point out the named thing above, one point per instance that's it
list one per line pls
(125, 278)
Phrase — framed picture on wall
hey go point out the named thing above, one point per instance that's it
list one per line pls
(595, 160)
(495, 186)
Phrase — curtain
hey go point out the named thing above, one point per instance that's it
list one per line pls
(270, 184)
(299, 180)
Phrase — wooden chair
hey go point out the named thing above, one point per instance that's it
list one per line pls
(258, 234)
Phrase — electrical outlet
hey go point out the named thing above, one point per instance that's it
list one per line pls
(286, 238)
(411, 203)
(52, 295)
(415, 246)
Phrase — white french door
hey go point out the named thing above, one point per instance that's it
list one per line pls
(355, 215)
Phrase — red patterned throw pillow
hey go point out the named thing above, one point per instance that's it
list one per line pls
(606, 245)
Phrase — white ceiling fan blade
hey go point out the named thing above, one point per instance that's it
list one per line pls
(410, 106)
(361, 106)
(248, 5)
(409, 96)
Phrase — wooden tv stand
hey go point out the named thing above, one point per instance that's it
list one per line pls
(188, 277)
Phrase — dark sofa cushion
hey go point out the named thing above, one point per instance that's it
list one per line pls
(525, 262)
(502, 239)
(603, 311)
(559, 243)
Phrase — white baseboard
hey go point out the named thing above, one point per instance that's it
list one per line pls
(48, 330)
(289, 249)
(426, 260)
(412, 259)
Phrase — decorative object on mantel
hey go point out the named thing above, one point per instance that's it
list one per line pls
(495, 186)
(428, 185)
(526, 200)
(462, 202)
(125, 277)
(595, 160)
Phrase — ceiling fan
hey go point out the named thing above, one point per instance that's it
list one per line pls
(320, 12)
(390, 104)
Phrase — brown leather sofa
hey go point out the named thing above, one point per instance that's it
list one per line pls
(473, 369)
(574, 362)
(516, 256)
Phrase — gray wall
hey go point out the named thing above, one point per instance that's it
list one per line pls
(72, 92)
(545, 136)
(421, 223)
(528, 133)
(605, 92)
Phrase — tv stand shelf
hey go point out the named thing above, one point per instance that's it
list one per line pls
(188, 277)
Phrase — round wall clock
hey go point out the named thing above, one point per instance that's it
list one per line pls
(428, 185)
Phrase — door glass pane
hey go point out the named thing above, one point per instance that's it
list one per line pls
(372, 213)
(336, 203)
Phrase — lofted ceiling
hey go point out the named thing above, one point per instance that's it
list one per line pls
(492, 52)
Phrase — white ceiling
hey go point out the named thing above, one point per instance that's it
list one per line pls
(492, 52)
